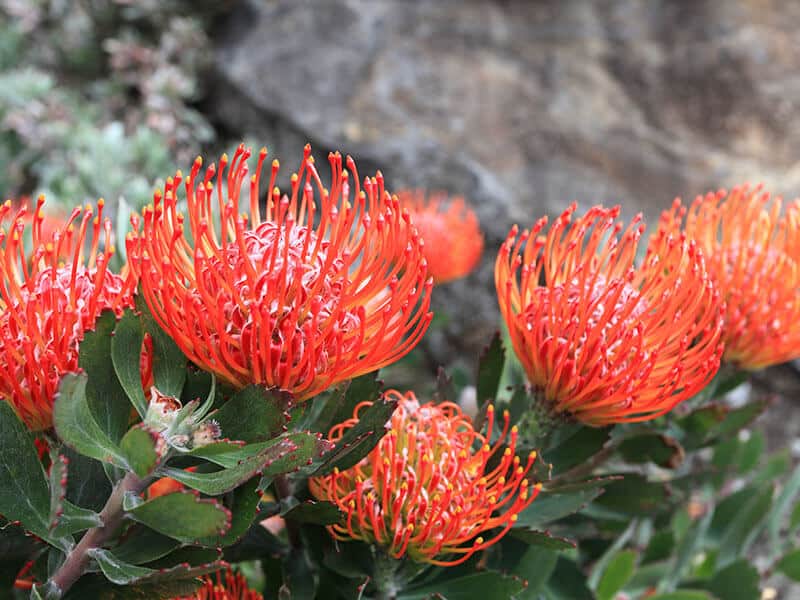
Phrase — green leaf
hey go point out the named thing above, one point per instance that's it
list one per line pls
(782, 506)
(318, 513)
(487, 584)
(24, 496)
(169, 363)
(254, 414)
(97, 587)
(618, 572)
(359, 440)
(87, 484)
(738, 581)
(490, 369)
(180, 515)
(77, 427)
(242, 505)
(125, 354)
(139, 448)
(635, 495)
(690, 544)
(300, 579)
(143, 545)
(279, 456)
(684, 595)
(740, 533)
(535, 567)
(549, 507)
(566, 583)
(542, 538)
(105, 397)
(660, 546)
(789, 564)
(575, 449)
(659, 449)
(794, 520)
(751, 451)
(74, 519)
(122, 573)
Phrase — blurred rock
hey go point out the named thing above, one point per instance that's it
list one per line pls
(521, 106)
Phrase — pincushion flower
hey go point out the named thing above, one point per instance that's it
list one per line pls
(315, 289)
(450, 231)
(49, 298)
(601, 340)
(752, 252)
(432, 487)
(225, 585)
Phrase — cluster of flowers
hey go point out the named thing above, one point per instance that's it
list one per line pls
(321, 284)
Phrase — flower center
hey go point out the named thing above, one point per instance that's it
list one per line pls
(284, 292)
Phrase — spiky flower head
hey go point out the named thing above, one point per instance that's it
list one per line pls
(433, 487)
(602, 340)
(450, 230)
(752, 252)
(323, 285)
(224, 585)
(50, 296)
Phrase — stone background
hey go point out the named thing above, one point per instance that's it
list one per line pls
(521, 106)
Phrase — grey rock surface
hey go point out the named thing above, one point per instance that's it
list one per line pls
(522, 106)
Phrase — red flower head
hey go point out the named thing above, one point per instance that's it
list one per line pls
(307, 293)
(450, 230)
(225, 585)
(50, 297)
(753, 255)
(601, 340)
(425, 490)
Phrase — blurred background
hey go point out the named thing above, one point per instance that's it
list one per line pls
(519, 106)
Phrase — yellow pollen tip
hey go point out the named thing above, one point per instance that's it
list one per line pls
(209, 186)
(490, 408)
(199, 160)
(410, 528)
(501, 480)
(538, 486)
(335, 470)
(486, 448)
(179, 174)
(524, 483)
(111, 250)
(506, 415)
(533, 455)
(294, 178)
(276, 190)
(478, 541)
(101, 203)
(276, 164)
(514, 518)
(514, 429)
(507, 452)
(253, 178)
(88, 207)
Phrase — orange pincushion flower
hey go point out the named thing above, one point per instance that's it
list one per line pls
(49, 298)
(310, 292)
(753, 255)
(225, 585)
(425, 490)
(450, 231)
(602, 340)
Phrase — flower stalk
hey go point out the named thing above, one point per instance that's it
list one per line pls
(112, 516)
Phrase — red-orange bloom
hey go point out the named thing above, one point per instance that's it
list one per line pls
(427, 489)
(225, 585)
(49, 298)
(602, 340)
(307, 293)
(450, 230)
(753, 255)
